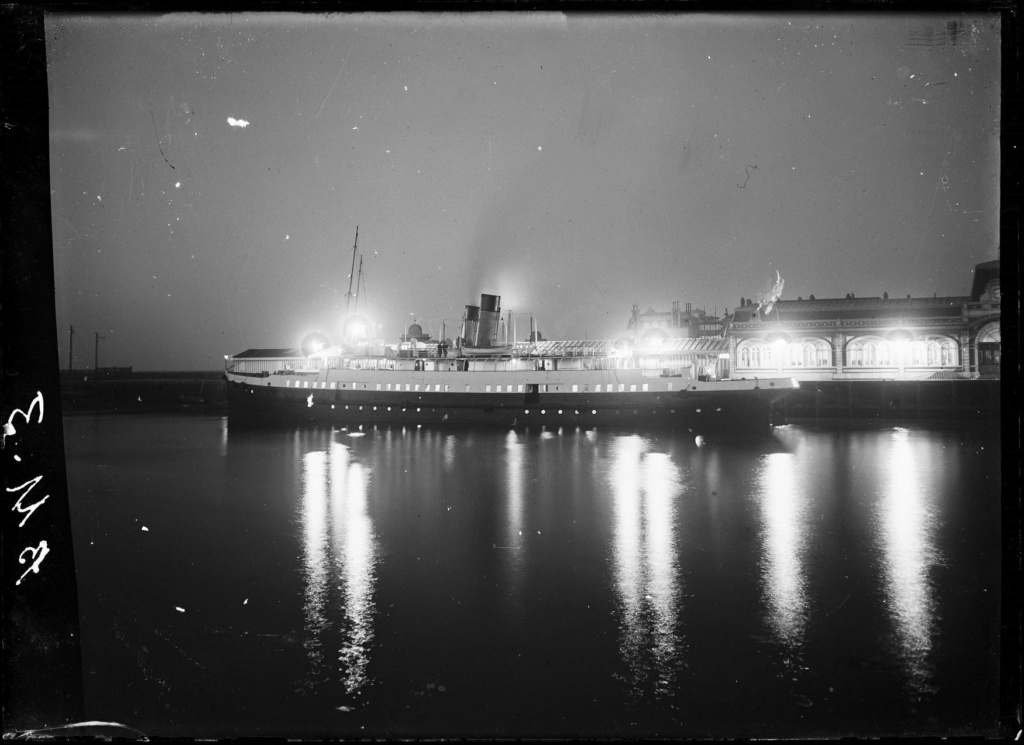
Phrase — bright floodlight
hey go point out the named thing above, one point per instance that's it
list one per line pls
(313, 343)
(356, 328)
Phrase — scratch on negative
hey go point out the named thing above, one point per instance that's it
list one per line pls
(343, 62)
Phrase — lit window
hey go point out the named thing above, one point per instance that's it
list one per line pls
(622, 387)
(519, 388)
(597, 388)
(645, 386)
(575, 388)
(416, 387)
(378, 386)
(632, 389)
(668, 386)
(487, 389)
(467, 389)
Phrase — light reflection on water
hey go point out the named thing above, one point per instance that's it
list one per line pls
(647, 559)
(339, 553)
(906, 529)
(511, 536)
(645, 486)
(785, 537)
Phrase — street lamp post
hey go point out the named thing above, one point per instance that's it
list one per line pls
(96, 364)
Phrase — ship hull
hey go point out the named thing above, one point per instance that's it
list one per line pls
(710, 409)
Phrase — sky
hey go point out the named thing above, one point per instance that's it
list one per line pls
(208, 172)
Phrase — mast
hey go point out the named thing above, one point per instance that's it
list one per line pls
(358, 280)
(351, 274)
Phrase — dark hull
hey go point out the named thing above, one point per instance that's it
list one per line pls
(742, 413)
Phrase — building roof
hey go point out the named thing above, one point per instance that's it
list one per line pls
(983, 274)
(857, 308)
(269, 354)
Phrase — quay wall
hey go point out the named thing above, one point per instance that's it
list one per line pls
(143, 391)
(892, 400)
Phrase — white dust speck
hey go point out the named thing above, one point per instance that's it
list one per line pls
(356, 434)
(17, 458)
(99, 197)
(287, 237)
(406, 87)
(539, 147)
(120, 149)
(145, 528)
(177, 185)
(245, 602)
(354, 128)
(237, 122)
(179, 609)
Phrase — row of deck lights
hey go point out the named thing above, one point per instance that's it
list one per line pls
(542, 411)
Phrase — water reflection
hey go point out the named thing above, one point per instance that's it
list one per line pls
(907, 525)
(784, 540)
(645, 486)
(339, 556)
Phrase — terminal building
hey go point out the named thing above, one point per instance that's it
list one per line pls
(851, 338)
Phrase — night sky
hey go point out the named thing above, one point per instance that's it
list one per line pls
(208, 172)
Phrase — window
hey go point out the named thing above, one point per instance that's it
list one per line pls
(378, 386)
(645, 386)
(869, 354)
(597, 388)
(622, 387)
(575, 388)
(632, 389)
(437, 387)
(853, 354)
(487, 389)
(467, 389)
(808, 355)
(519, 388)
(745, 357)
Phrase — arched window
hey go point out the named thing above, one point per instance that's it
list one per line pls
(917, 354)
(869, 354)
(854, 354)
(794, 354)
(808, 355)
(933, 353)
(883, 354)
(823, 356)
(745, 357)
(947, 354)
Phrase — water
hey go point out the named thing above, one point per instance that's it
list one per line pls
(427, 582)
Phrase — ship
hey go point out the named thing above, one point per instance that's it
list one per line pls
(481, 379)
